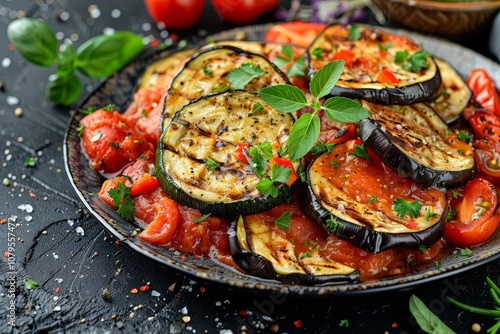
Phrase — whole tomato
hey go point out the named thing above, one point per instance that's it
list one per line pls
(242, 12)
(175, 14)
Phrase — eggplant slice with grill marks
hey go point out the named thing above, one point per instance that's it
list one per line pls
(371, 71)
(196, 160)
(412, 141)
(371, 206)
(262, 251)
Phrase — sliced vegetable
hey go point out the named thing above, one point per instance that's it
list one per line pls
(484, 90)
(362, 201)
(476, 218)
(487, 156)
(411, 141)
(484, 123)
(369, 76)
(163, 227)
(297, 33)
(213, 127)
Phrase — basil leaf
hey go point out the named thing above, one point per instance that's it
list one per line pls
(342, 109)
(427, 320)
(283, 221)
(303, 136)
(66, 59)
(34, 40)
(325, 79)
(63, 90)
(285, 98)
(241, 76)
(102, 55)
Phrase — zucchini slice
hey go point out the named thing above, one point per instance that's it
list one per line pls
(367, 53)
(195, 161)
(261, 250)
(454, 94)
(411, 141)
(365, 203)
(206, 72)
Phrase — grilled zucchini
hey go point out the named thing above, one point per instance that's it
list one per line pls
(410, 74)
(196, 164)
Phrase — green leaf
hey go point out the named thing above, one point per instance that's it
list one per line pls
(102, 55)
(63, 90)
(285, 98)
(256, 108)
(211, 164)
(30, 284)
(298, 68)
(414, 62)
(267, 188)
(283, 221)
(344, 110)
(241, 76)
(66, 59)
(361, 152)
(325, 79)
(465, 252)
(402, 208)
(30, 162)
(427, 320)
(123, 201)
(259, 157)
(355, 33)
(303, 136)
(34, 40)
(202, 218)
(280, 173)
(321, 147)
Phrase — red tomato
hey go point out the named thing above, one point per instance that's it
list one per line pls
(348, 56)
(163, 227)
(242, 12)
(239, 153)
(487, 156)
(345, 134)
(386, 76)
(298, 32)
(145, 184)
(287, 164)
(484, 90)
(476, 216)
(484, 123)
(175, 14)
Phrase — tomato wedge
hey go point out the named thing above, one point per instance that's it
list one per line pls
(484, 123)
(487, 157)
(484, 90)
(163, 227)
(476, 218)
(145, 184)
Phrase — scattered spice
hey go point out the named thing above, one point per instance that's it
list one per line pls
(18, 111)
(3, 221)
(297, 323)
(202, 290)
(171, 288)
(134, 291)
(394, 325)
(57, 290)
(144, 288)
(476, 328)
(106, 294)
(32, 194)
(6, 182)
(274, 328)
(186, 319)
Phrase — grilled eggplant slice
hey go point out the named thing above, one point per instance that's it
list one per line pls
(196, 164)
(411, 141)
(369, 205)
(454, 94)
(206, 72)
(370, 52)
(262, 250)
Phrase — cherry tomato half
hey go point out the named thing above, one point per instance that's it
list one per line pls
(487, 156)
(484, 90)
(242, 11)
(476, 218)
(175, 14)
(484, 123)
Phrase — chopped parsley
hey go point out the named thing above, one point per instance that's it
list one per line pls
(384, 47)
(429, 215)
(109, 107)
(30, 284)
(279, 174)
(202, 218)
(451, 214)
(333, 224)
(260, 155)
(344, 323)
(123, 201)
(403, 208)
(464, 136)
(355, 33)
(241, 76)
(414, 62)
(256, 108)
(89, 110)
(207, 71)
(422, 249)
(361, 152)
(285, 61)
(334, 163)
(114, 145)
(321, 147)
(465, 252)
(211, 164)
(30, 162)
(283, 221)
(79, 130)
(317, 53)
(372, 199)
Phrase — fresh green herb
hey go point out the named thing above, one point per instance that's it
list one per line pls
(465, 252)
(307, 242)
(221, 88)
(96, 136)
(455, 194)
(436, 264)
(332, 224)
(79, 130)
(114, 145)
(282, 150)
(207, 71)
(202, 218)
(30, 284)
(402, 208)
(305, 131)
(427, 320)
(210, 40)
(444, 93)
(460, 151)
(429, 215)
(464, 136)
(409, 258)
(182, 44)
(317, 53)
(334, 163)
(279, 174)
(259, 156)
(355, 33)
(414, 62)
(384, 47)
(144, 113)
(422, 249)
(495, 312)
(241, 76)
(30, 162)
(98, 57)
(361, 152)
(283, 221)
(211, 164)
(451, 214)
(123, 201)
(109, 107)
(138, 142)
(372, 199)
(256, 108)
(344, 323)
(321, 147)
(89, 110)
(285, 61)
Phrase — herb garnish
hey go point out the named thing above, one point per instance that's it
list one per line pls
(30, 284)
(123, 201)
(427, 320)
(355, 33)
(286, 63)
(212, 164)
(202, 218)
(30, 162)
(361, 152)
(465, 252)
(279, 174)
(305, 131)
(321, 147)
(241, 76)
(283, 221)
(98, 57)
(414, 62)
(259, 156)
(402, 208)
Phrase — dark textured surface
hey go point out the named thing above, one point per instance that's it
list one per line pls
(74, 259)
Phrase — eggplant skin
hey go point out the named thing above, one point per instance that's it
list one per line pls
(367, 238)
(382, 144)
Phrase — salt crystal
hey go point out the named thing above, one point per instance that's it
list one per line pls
(71, 222)
(155, 293)
(12, 100)
(80, 231)
(25, 207)
(57, 308)
(184, 310)
(6, 62)
(28, 218)
(55, 256)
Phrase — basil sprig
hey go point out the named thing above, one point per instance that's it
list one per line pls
(306, 129)
(98, 57)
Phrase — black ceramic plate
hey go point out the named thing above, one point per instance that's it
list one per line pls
(119, 89)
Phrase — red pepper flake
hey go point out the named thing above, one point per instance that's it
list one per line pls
(183, 257)
(412, 224)
(144, 288)
(10, 47)
(56, 290)
(32, 194)
(6, 255)
(394, 325)
(3, 221)
(297, 323)
(134, 291)
(243, 312)
(117, 242)
(202, 290)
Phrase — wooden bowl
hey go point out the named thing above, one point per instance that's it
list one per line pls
(452, 20)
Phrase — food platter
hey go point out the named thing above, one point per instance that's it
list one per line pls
(119, 89)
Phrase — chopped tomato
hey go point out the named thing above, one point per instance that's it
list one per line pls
(239, 152)
(476, 218)
(487, 157)
(345, 134)
(287, 164)
(386, 76)
(484, 90)
(348, 56)
(111, 184)
(297, 32)
(163, 227)
(145, 184)
(484, 123)
(453, 140)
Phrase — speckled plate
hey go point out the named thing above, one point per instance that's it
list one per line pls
(119, 89)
